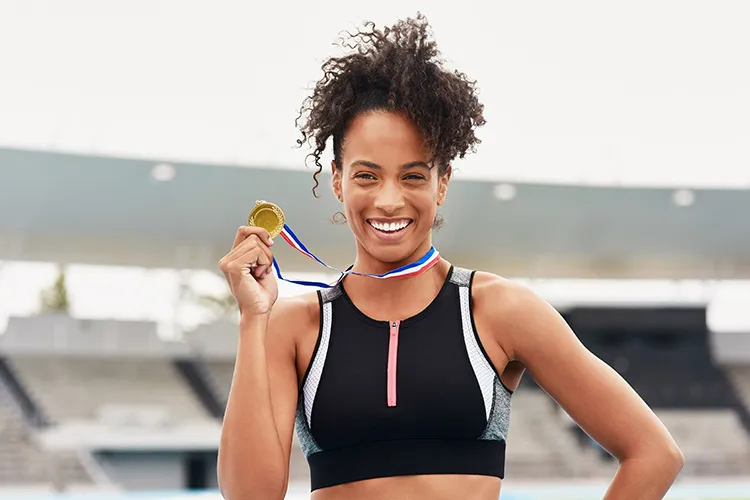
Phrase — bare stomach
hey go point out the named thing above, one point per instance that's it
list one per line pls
(433, 487)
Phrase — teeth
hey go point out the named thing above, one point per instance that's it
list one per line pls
(389, 227)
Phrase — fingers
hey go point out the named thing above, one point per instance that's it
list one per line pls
(248, 244)
(250, 253)
(249, 262)
(245, 231)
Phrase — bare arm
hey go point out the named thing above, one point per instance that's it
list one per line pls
(256, 436)
(591, 392)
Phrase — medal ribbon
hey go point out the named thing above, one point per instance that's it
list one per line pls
(414, 269)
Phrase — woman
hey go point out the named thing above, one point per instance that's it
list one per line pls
(401, 388)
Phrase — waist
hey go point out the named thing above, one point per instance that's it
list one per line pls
(405, 458)
(432, 487)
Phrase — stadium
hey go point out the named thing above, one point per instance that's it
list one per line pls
(118, 336)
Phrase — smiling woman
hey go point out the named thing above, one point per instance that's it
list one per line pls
(401, 388)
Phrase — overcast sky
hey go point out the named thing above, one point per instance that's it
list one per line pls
(639, 92)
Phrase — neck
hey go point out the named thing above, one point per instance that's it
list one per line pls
(365, 263)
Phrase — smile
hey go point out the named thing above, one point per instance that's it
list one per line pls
(389, 226)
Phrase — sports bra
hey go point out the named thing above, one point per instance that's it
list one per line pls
(397, 398)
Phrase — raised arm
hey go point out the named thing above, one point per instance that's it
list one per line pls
(256, 435)
(593, 394)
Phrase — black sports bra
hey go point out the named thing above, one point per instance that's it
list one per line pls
(396, 398)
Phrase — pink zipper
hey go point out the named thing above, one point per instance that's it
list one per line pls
(392, 361)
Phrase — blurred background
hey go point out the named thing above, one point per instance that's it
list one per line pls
(613, 179)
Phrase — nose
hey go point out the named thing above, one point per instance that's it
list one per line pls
(389, 199)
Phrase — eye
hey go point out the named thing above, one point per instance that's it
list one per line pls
(364, 175)
(412, 177)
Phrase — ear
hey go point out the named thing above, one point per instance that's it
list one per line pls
(443, 186)
(336, 181)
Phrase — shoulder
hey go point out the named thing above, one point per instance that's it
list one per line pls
(514, 311)
(489, 285)
(295, 315)
(296, 303)
(507, 298)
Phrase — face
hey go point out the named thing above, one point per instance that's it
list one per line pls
(389, 191)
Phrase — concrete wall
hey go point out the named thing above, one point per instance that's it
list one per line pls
(730, 347)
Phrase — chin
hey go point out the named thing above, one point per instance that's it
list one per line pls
(391, 255)
(396, 251)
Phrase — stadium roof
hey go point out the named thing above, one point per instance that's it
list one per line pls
(70, 208)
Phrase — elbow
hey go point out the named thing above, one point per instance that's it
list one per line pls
(666, 459)
(675, 457)
(670, 456)
(661, 458)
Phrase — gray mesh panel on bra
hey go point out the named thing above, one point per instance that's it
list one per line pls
(306, 440)
(460, 276)
(331, 294)
(499, 421)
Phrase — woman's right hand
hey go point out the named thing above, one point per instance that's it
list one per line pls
(249, 271)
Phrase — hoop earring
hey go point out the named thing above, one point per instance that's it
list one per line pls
(438, 222)
(338, 218)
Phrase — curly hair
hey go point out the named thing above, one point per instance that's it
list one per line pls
(397, 69)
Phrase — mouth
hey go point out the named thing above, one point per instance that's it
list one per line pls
(389, 226)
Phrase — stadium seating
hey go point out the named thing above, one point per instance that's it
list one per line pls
(688, 391)
(739, 377)
(220, 374)
(542, 438)
(88, 370)
(667, 369)
(107, 372)
(90, 389)
(713, 441)
(23, 461)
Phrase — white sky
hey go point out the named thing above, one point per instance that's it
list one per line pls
(637, 92)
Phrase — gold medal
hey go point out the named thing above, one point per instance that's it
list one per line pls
(268, 216)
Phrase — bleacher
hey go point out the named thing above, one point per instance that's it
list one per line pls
(23, 461)
(88, 370)
(739, 377)
(121, 373)
(220, 374)
(664, 355)
(215, 345)
(540, 444)
(91, 389)
(714, 442)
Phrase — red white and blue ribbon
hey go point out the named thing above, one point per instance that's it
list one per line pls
(415, 268)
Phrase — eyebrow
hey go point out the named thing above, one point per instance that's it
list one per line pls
(411, 164)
